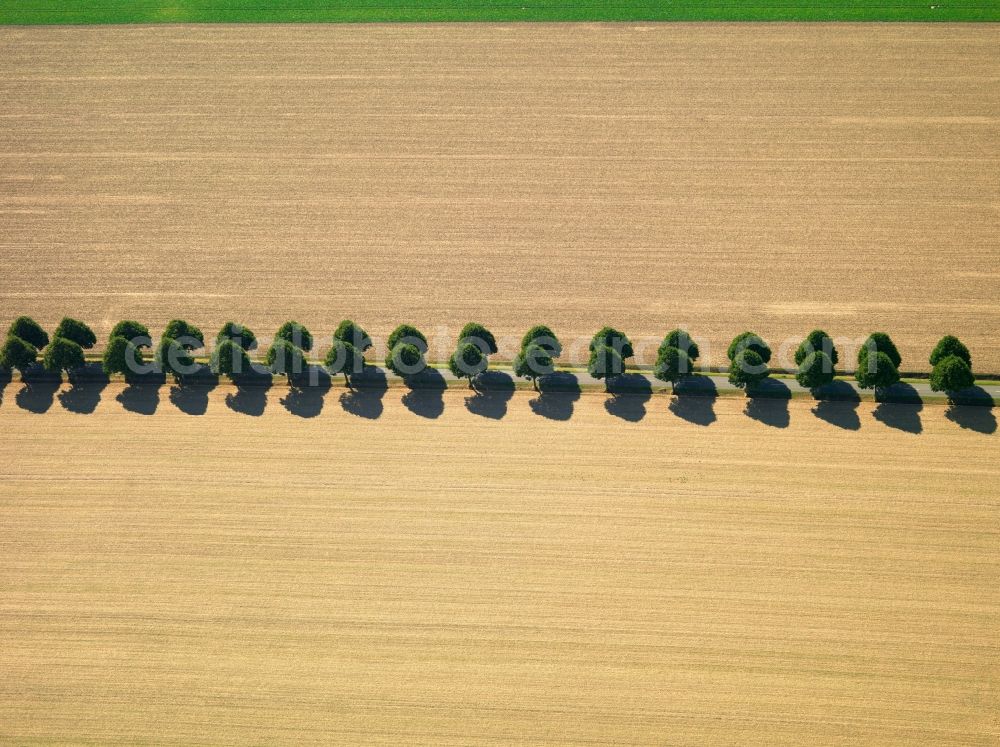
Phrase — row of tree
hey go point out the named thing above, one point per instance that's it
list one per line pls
(748, 353)
(877, 368)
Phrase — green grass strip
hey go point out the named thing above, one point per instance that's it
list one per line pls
(23, 12)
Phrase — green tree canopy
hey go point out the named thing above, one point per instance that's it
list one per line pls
(749, 341)
(122, 356)
(76, 331)
(478, 334)
(605, 363)
(545, 338)
(132, 331)
(817, 341)
(174, 358)
(612, 338)
(188, 335)
(468, 361)
(237, 333)
(30, 331)
(950, 345)
(344, 358)
(951, 374)
(352, 333)
(879, 342)
(408, 334)
(296, 334)
(680, 339)
(229, 359)
(877, 372)
(405, 360)
(285, 359)
(815, 370)
(672, 365)
(748, 369)
(533, 362)
(18, 353)
(63, 355)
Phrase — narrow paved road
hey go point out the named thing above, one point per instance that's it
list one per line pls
(501, 379)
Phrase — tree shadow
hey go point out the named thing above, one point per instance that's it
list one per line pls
(629, 394)
(972, 417)
(364, 399)
(4, 381)
(142, 395)
(493, 391)
(306, 392)
(693, 400)
(251, 394)
(767, 403)
(900, 408)
(838, 405)
(424, 398)
(772, 412)
(84, 394)
(974, 395)
(191, 397)
(557, 393)
(770, 389)
(901, 393)
(38, 390)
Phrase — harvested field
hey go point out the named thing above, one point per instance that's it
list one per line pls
(233, 579)
(723, 177)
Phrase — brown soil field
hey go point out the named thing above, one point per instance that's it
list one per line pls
(462, 579)
(774, 177)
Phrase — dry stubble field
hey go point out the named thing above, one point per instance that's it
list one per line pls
(774, 177)
(233, 579)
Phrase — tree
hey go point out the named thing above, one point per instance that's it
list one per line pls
(350, 332)
(533, 362)
(30, 331)
(605, 363)
(879, 342)
(63, 355)
(409, 334)
(132, 331)
(405, 360)
(951, 374)
(749, 341)
(748, 369)
(76, 331)
(672, 365)
(174, 358)
(545, 338)
(229, 359)
(17, 353)
(680, 339)
(186, 334)
(877, 372)
(817, 341)
(815, 370)
(950, 345)
(122, 356)
(468, 361)
(238, 334)
(296, 334)
(612, 338)
(344, 358)
(285, 358)
(478, 335)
